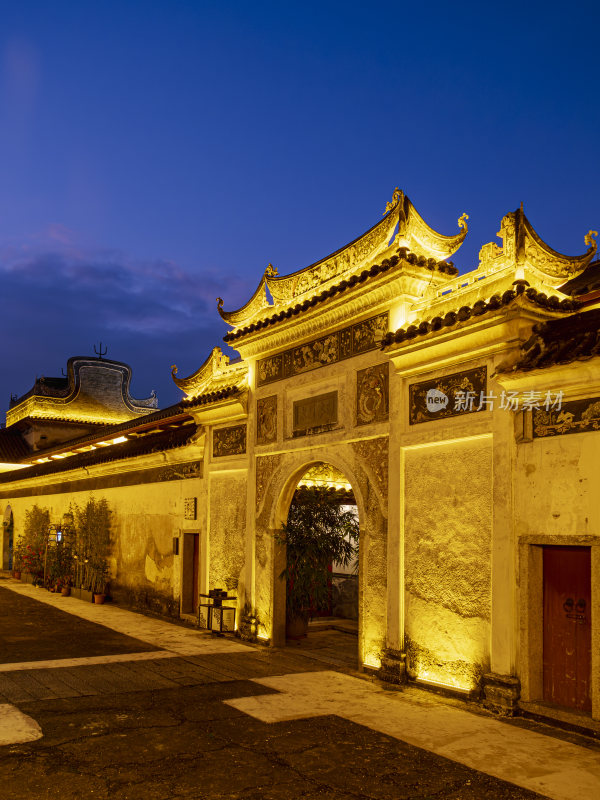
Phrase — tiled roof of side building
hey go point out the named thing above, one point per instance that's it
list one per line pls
(377, 269)
(112, 431)
(12, 447)
(585, 282)
(157, 443)
(560, 341)
(479, 308)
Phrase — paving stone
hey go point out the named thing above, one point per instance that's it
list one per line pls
(13, 690)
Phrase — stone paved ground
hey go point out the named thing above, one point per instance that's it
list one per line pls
(163, 726)
(28, 626)
(186, 743)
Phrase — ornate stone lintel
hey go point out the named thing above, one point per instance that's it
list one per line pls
(501, 693)
(393, 666)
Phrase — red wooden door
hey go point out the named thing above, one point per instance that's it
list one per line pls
(567, 626)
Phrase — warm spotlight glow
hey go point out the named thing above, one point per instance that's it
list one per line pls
(398, 317)
(119, 439)
(443, 680)
(372, 661)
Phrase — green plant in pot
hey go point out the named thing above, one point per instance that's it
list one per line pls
(91, 548)
(100, 580)
(18, 558)
(318, 532)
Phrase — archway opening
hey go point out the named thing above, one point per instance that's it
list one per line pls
(322, 565)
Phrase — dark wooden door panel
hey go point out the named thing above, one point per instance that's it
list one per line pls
(196, 567)
(567, 626)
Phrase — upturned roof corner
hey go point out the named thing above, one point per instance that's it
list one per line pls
(215, 374)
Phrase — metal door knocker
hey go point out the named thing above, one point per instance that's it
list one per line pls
(579, 614)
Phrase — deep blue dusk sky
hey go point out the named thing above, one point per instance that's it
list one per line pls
(156, 155)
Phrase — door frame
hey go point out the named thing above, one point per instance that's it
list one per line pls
(531, 618)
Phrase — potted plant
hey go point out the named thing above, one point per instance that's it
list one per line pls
(91, 550)
(100, 582)
(33, 544)
(318, 532)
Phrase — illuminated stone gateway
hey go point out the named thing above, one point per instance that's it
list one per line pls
(445, 403)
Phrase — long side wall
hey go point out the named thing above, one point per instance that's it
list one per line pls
(146, 518)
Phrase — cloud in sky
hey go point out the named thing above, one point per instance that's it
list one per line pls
(60, 297)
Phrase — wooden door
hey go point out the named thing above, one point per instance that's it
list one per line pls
(189, 573)
(567, 626)
(196, 566)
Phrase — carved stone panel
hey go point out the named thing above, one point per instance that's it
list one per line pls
(229, 441)
(266, 420)
(266, 466)
(315, 414)
(374, 453)
(190, 505)
(372, 394)
(177, 472)
(574, 416)
(360, 338)
(448, 396)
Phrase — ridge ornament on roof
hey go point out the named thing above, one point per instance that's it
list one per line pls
(401, 226)
(522, 246)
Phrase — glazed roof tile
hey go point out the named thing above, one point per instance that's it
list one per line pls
(377, 269)
(560, 341)
(587, 281)
(479, 308)
(12, 447)
(210, 397)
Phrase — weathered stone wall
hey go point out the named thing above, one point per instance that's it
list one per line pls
(344, 596)
(556, 486)
(227, 530)
(145, 519)
(448, 504)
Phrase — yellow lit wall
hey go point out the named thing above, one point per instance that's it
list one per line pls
(447, 557)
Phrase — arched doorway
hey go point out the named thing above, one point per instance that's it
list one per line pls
(323, 512)
(7, 538)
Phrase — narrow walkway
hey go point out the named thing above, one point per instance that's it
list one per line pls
(298, 687)
(155, 632)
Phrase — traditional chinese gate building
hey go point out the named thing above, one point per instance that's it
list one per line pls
(461, 410)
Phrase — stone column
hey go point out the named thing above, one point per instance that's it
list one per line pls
(501, 685)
